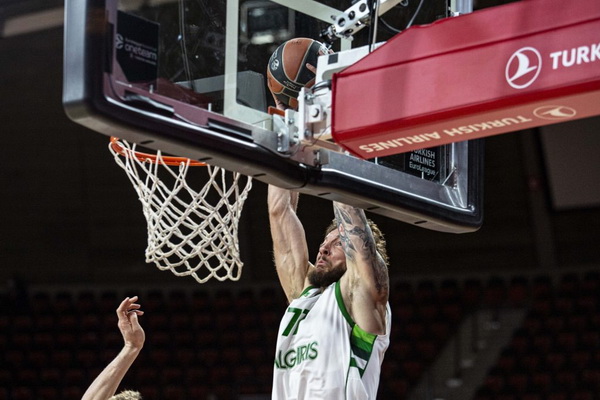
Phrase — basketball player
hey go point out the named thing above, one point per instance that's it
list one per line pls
(107, 382)
(333, 336)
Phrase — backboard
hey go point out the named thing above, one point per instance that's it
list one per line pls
(187, 77)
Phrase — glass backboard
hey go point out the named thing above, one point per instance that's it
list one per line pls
(187, 77)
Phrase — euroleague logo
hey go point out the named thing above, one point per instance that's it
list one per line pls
(523, 67)
(274, 60)
(119, 42)
(274, 64)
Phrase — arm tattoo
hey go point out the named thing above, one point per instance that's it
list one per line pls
(344, 219)
(347, 229)
(360, 229)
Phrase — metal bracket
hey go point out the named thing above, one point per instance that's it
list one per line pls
(355, 18)
(459, 7)
(287, 131)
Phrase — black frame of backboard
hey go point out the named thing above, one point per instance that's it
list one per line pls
(248, 149)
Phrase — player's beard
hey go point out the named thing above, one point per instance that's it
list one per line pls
(323, 278)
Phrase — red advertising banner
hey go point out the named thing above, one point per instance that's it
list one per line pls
(498, 70)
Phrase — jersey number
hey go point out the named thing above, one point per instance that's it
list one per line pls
(299, 315)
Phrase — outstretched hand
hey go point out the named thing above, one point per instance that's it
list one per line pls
(133, 333)
(107, 382)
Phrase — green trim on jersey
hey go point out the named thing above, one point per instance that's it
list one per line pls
(305, 291)
(341, 305)
(361, 342)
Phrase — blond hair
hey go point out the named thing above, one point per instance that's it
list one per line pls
(127, 395)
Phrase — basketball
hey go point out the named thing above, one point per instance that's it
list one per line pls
(287, 72)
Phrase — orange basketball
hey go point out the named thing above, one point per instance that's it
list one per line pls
(287, 72)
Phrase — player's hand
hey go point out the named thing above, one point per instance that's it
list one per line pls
(280, 105)
(128, 312)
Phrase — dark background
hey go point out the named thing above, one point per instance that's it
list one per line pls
(69, 215)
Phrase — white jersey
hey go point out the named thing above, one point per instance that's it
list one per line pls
(322, 354)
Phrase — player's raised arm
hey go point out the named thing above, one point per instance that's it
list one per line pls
(290, 250)
(365, 285)
(107, 382)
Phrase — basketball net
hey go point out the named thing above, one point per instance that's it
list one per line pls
(189, 232)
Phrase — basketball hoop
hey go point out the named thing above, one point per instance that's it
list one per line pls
(189, 232)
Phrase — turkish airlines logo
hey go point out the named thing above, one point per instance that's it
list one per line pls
(523, 67)
(554, 113)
